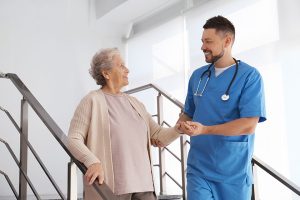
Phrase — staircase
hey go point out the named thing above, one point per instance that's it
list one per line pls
(24, 181)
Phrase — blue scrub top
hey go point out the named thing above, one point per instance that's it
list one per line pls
(216, 157)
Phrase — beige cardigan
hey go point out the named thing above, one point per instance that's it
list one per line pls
(89, 135)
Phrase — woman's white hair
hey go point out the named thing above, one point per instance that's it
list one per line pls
(102, 60)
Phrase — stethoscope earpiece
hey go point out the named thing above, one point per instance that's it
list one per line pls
(225, 97)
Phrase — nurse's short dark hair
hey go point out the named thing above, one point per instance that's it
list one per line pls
(102, 60)
(220, 23)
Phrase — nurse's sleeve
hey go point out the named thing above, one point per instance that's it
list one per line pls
(252, 101)
(189, 105)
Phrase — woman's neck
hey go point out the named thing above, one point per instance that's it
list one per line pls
(111, 90)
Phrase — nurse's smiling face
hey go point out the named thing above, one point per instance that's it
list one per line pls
(213, 44)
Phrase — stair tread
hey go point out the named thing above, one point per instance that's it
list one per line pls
(162, 197)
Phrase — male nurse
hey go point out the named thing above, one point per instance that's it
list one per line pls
(224, 103)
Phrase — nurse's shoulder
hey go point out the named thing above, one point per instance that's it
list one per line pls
(248, 70)
(199, 71)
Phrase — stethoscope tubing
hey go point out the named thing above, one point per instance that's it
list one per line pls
(225, 96)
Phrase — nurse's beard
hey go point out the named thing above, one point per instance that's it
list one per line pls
(217, 57)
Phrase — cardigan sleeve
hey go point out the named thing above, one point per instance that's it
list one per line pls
(78, 133)
(164, 135)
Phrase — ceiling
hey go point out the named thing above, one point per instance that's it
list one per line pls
(116, 17)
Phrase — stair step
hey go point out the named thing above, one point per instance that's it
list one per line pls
(160, 197)
(165, 197)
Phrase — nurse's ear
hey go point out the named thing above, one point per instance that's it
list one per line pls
(228, 40)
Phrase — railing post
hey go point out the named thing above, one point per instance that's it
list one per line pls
(255, 183)
(72, 181)
(23, 150)
(183, 149)
(162, 170)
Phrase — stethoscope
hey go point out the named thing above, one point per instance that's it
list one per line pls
(225, 96)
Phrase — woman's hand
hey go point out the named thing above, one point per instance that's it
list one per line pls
(157, 143)
(191, 128)
(93, 172)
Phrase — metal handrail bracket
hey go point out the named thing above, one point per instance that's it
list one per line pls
(2, 75)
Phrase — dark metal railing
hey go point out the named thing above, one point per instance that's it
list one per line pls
(152, 86)
(176, 182)
(183, 142)
(34, 153)
(103, 190)
(10, 184)
(22, 171)
(173, 154)
(279, 177)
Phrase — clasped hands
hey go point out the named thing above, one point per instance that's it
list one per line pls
(185, 127)
(190, 128)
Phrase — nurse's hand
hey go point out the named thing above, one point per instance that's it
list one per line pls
(93, 172)
(191, 128)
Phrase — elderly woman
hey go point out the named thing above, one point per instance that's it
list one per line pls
(111, 132)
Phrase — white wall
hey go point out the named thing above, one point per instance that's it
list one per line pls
(48, 44)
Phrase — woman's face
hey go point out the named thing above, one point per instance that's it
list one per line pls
(118, 74)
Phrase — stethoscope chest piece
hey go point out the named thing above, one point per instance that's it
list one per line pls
(225, 97)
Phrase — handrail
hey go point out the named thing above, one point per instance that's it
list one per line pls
(279, 177)
(10, 184)
(289, 184)
(103, 190)
(34, 153)
(23, 173)
(165, 94)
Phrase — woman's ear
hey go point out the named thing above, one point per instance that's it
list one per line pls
(105, 74)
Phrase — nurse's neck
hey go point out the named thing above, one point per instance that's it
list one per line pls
(224, 62)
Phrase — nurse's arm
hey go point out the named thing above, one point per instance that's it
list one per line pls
(242, 126)
(183, 118)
